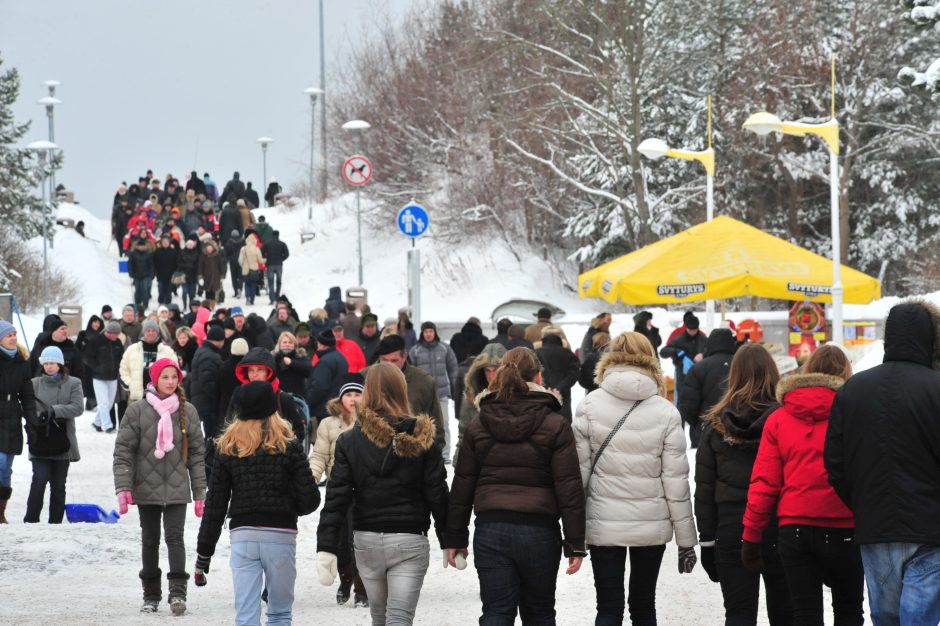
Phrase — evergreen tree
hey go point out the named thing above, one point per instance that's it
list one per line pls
(925, 15)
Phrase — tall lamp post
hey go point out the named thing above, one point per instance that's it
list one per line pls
(313, 92)
(357, 127)
(264, 141)
(657, 148)
(764, 123)
(44, 149)
(323, 176)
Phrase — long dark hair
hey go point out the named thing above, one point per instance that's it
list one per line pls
(518, 367)
(752, 381)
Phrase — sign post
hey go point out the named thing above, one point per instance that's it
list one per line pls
(413, 221)
(357, 171)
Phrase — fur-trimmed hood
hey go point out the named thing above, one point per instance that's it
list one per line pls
(411, 437)
(475, 380)
(802, 381)
(808, 397)
(613, 364)
(912, 333)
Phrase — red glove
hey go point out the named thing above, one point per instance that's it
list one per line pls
(200, 506)
(124, 499)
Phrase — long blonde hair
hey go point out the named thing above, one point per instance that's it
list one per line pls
(386, 391)
(244, 437)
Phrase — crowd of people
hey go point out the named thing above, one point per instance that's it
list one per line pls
(818, 478)
(188, 236)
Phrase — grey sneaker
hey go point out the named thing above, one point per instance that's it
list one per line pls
(150, 606)
(177, 605)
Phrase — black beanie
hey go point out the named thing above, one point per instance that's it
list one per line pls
(216, 333)
(106, 309)
(229, 324)
(326, 338)
(390, 345)
(691, 322)
(427, 325)
(687, 315)
(255, 400)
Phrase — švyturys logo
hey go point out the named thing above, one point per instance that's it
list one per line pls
(811, 291)
(680, 291)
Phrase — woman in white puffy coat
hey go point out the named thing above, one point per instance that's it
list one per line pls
(637, 490)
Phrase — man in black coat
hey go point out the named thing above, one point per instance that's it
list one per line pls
(165, 260)
(140, 268)
(275, 252)
(251, 197)
(196, 184)
(368, 336)
(327, 376)
(685, 350)
(882, 455)
(204, 381)
(560, 367)
(643, 324)
(55, 332)
(232, 247)
(706, 381)
(470, 341)
(270, 195)
(235, 186)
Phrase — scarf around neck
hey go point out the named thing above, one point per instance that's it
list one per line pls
(165, 408)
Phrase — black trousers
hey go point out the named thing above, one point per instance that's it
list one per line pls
(608, 564)
(53, 473)
(741, 588)
(173, 517)
(813, 556)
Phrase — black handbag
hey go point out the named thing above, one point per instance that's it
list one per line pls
(48, 439)
(178, 278)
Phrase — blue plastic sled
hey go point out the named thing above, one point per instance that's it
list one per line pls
(90, 513)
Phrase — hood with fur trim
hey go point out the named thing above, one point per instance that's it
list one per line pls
(912, 333)
(647, 366)
(410, 437)
(808, 397)
(475, 380)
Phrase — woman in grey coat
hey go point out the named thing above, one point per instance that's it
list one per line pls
(159, 465)
(52, 441)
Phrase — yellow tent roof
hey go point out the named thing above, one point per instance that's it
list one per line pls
(723, 258)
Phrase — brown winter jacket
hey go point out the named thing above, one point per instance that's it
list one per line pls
(150, 480)
(212, 268)
(518, 463)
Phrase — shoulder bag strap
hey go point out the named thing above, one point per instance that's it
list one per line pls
(610, 436)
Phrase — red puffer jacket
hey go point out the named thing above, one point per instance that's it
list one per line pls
(789, 474)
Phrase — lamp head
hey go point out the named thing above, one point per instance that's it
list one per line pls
(357, 125)
(264, 141)
(653, 148)
(313, 92)
(42, 146)
(49, 101)
(763, 123)
(51, 83)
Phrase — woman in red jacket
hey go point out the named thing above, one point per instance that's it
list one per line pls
(815, 541)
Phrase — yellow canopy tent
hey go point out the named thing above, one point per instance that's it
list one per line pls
(723, 258)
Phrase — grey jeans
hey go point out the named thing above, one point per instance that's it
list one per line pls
(392, 567)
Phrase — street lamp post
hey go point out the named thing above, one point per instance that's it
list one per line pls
(313, 92)
(323, 176)
(657, 148)
(264, 141)
(357, 127)
(44, 149)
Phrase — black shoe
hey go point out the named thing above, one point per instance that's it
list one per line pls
(361, 601)
(342, 594)
(96, 427)
(264, 595)
(110, 430)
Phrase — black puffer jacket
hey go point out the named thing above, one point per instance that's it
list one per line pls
(334, 304)
(391, 472)
(275, 252)
(188, 263)
(140, 264)
(204, 386)
(165, 261)
(707, 380)
(325, 380)
(470, 341)
(685, 345)
(560, 370)
(293, 377)
(17, 401)
(104, 357)
(723, 465)
(269, 490)
(883, 443)
(231, 219)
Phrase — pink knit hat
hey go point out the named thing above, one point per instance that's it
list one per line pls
(158, 367)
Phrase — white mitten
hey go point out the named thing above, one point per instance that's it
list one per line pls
(460, 561)
(326, 568)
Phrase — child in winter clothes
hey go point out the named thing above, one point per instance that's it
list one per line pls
(52, 441)
(159, 465)
(342, 418)
(815, 541)
(263, 481)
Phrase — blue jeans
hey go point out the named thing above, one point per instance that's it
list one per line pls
(142, 291)
(276, 562)
(903, 583)
(189, 293)
(518, 567)
(164, 292)
(6, 468)
(274, 288)
(251, 290)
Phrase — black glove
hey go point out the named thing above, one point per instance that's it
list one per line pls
(201, 569)
(43, 417)
(687, 560)
(708, 563)
(751, 556)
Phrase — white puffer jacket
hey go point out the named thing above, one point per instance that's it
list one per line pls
(639, 494)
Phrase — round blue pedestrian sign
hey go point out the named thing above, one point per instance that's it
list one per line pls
(413, 220)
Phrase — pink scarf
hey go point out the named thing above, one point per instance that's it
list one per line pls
(164, 408)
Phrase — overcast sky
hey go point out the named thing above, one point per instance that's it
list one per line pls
(178, 84)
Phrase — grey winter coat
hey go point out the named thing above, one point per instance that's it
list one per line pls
(437, 359)
(158, 481)
(64, 397)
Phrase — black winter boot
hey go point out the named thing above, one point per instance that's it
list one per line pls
(153, 591)
(360, 599)
(345, 584)
(177, 596)
(5, 493)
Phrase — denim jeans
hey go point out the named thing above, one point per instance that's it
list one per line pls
(274, 281)
(392, 567)
(251, 291)
(903, 583)
(608, 563)
(164, 292)
(518, 568)
(105, 390)
(142, 292)
(741, 588)
(53, 473)
(813, 556)
(259, 564)
(189, 294)
(6, 468)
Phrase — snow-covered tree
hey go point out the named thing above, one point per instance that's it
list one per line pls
(925, 15)
(20, 204)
